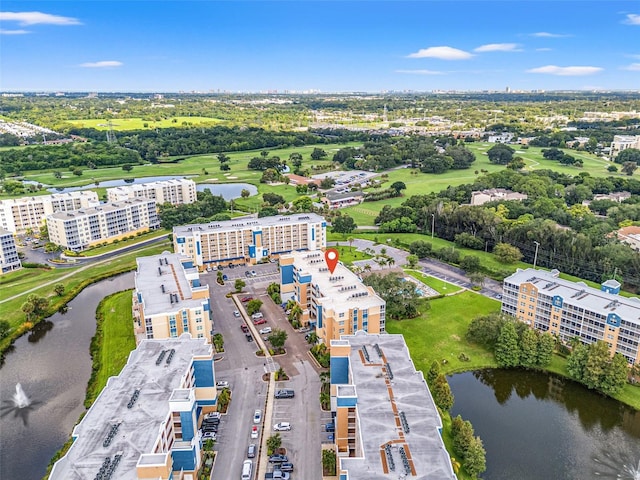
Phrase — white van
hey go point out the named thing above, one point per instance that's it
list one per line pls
(247, 466)
(257, 315)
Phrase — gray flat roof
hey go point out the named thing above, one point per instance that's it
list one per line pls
(150, 277)
(341, 289)
(377, 420)
(579, 294)
(105, 207)
(140, 426)
(252, 223)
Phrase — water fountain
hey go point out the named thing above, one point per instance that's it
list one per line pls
(20, 405)
(618, 466)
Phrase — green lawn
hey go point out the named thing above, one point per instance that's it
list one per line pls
(439, 333)
(350, 254)
(122, 124)
(92, 252)
(117, 339)
(440, 286)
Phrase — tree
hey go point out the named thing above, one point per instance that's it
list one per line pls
(462, 157)
(476, 278)
(401, 302)
(239, 284)
(628, 155)
(475, 461)
(127, 167)
(506, 253)
(327, 183)
(34, 306)
(629, 167)
(593, 366)
(253, 306)
(57, 174)
(612, 169)
(420, 248)
(516, 164)
(433, 373)
(77, 172)
(5, 328)
(442, 395)
(223, 159)
(274, 442)
(462, 435)
(529, 348)
(328, 462)
(470, 264)
(500, 154)
(59, 289)
(318, 154)
(244, 193)
(412, 261)
(546, 345)
(343, 224)
(303, 204)
(507, 347)
(397, 187)
(485, 330)
(273, 199)
(277, 338)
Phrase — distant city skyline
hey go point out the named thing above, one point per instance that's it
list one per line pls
(326, 46)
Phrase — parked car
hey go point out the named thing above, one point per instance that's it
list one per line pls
(253, 273)
(222, 384)
(246, 299)
(259, 321)
(209, 435)
(257, 416)
(236, 313)
(244, 328)
(251, 450)
(277, 458)
(249, 337)
(257, 315)
(247, 273)
(277, 475)
(254, 432)
(265, 330)
(247, 470)
(330, 427)
(284, 393)
(282, 427)
(286, 467)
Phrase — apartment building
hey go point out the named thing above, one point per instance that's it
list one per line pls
(386, 423)
(249, 240)
(335, 303)
(622, 142)
(169, 299)
(19, 214)
(481, 197)
(81, 229)
(568, 309)
(174, 191)
(144, 423)
(9, 260)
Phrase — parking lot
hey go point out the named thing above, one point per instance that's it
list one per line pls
(243, 369)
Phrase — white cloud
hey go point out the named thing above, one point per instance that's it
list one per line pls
(13, 32)
(632, 19)
(544, 49)
(498, 47)
(634, 67)
(420, 72)
(565, 71)
(102, 64)
(548, 35)
(443, 53)
(35, 18)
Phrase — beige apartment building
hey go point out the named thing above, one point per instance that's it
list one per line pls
(169, 300)
(176, 192)
(20, 214)
(335, 303)
(622, 142)
(548, 303)
(81, 229)
(249, 240)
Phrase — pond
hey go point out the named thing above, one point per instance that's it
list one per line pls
(110, 183)
(229, 191)
(538, 426)
(53, 365)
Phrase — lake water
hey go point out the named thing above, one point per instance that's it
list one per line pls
(541, 427)
(53, 365)
(229, 191)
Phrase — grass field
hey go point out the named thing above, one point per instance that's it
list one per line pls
(122, 124)
(92, 252)
(440, 286)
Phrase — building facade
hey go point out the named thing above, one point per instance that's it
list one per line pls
(176, 192)
(250, 240)
(495, 194)
(9, 260)
(169, 300)
(20, 214)
(81, 229)
(568, 309)
(622, 142)
(335, 303)
(386, 423)
(144, 424)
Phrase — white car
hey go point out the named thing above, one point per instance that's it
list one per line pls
(236, 313)
(257, 416)
(282, 427)
(222, 384)
(265, 330)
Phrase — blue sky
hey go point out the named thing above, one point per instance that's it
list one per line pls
(331, 46)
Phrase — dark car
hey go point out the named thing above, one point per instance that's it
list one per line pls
(330, 427)
(246, 299)
(286, 467)
(244, 328)
(277, 458)
(247, 273)
(284, 393)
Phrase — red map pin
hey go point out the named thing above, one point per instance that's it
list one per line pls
(331, 257)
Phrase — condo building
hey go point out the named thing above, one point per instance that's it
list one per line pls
(169, 300)
(144, 423)
(174, 191)
(9, 260)
(568, 309)
(622, 142)
(249, 240)
(81, 229)
(335, 303)
(19, 214)
(386, 423)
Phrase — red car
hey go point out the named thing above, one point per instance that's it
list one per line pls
(244, 328)
(246, 299)
(259, 321)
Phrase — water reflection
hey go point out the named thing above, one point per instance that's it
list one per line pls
(39, 331)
